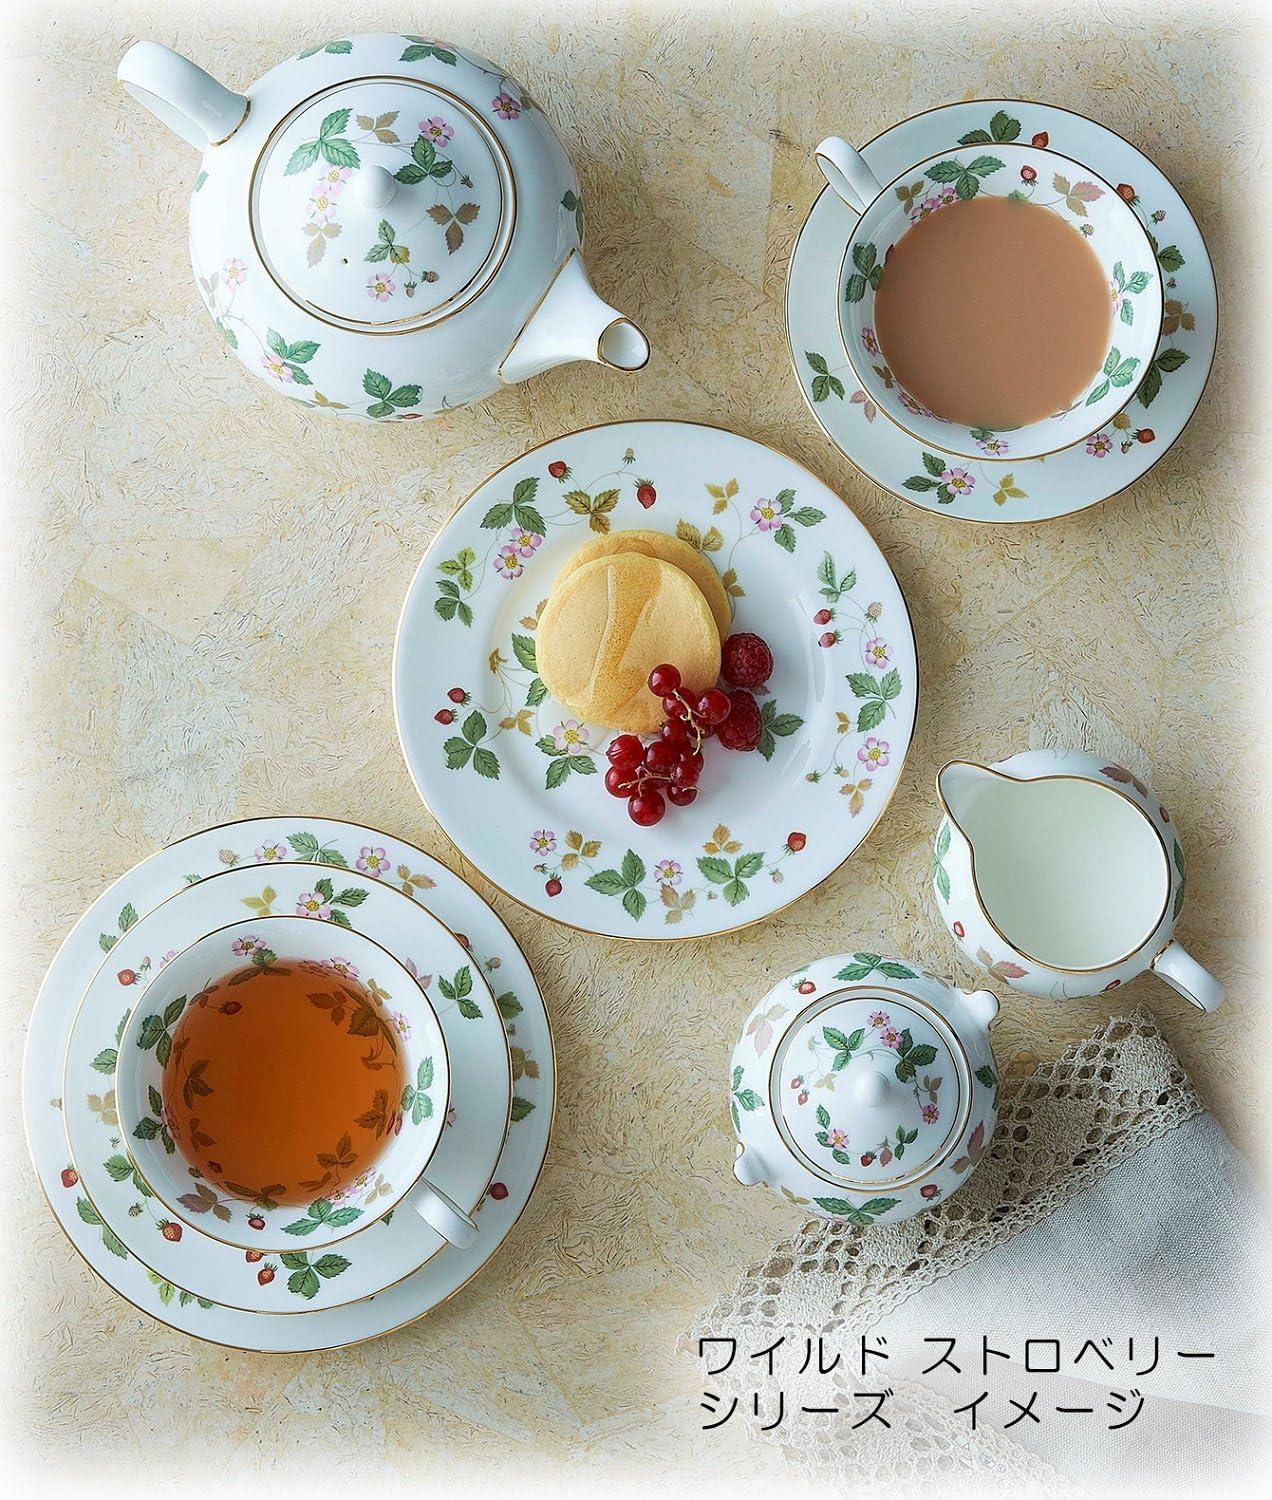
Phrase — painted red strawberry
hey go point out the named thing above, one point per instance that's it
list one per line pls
(646, 494)
(231, 1007)
(457, 695)
(254, 1255)
(170, 1231)
(127, 976)
(806, 986)
(867, 1158)
(1028, 174)
(1127, 192)
(445, 715)
(462, 939)
(553, 887)
(1145, 435)
(255, 1221)
(795, 842)
(803, 1099)
(959, 930)
(929, 1190)
(265, 1275)
(498, 1191)
(559, 469)
(69, 1176)
(829, 638)
(823, 617)
(1040, 140)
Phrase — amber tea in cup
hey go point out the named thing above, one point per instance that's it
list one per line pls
(993, 313)
(283, 1079)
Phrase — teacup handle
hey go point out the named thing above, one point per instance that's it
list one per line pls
(846, 171)
(1183, 973)
(442, 1213)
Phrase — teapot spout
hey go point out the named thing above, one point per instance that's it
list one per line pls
(572, 322)
(187, 100)
(959, 784)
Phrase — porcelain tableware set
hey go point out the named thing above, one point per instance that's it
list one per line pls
(386, 226)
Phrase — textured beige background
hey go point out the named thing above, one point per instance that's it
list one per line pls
(212, 578)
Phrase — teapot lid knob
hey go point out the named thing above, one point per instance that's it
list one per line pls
(376, 187)
(870, 1088)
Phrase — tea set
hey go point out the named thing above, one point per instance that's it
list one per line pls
(385, 227)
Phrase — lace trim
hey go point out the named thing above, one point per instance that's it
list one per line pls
(1059, 1130)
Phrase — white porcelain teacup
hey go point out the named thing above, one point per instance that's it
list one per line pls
(413, 1122)
(997, 169)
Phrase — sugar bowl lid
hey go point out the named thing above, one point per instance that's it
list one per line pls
(382, 205)
(870, 1089)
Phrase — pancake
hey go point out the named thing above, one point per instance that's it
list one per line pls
(670, 549)
(606, 626)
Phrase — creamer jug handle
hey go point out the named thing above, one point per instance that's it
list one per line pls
(1183, 973)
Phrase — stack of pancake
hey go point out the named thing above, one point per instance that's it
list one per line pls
(622, 605)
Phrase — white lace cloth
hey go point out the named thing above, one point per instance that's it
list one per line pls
(1059, 1133)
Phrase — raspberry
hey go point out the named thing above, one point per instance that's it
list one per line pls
(746, 661)
(743, 729)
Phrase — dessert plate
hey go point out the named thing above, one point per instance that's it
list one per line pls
(344, 848)
(204, 1263)
(513, 777)
(1034, 489)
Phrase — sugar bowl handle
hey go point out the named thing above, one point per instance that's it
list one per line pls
(846, 171)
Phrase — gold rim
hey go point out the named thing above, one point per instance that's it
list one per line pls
(538, 911)
(485, 272)
(1043, 963)
(993, 520)
(1020, 457)
(609, 363)
(414, 1318)
(214, 932)
(943, 1029)
(282, 1312)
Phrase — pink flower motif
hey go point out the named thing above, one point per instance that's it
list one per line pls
(877, 652)
(278, 368)
(372, 861)
(505, 106)
(332, 179)
(930, 1114)
(571, 736)
(1099, 444)
(994, 446)
(869, 341)
(272, 852)
(400, 1024)
(311, 904)
(667, 872)
(436, 130)
(911, 405)
(837, 1139)
(890, 1036)
(542, 841)
(235, 272)
(874, 753)
(958, 480)
(880, 1018)
(527, 543)
(508, 563)
(341, 966)
(322, 205)
(244, 947)
(767, 515)
(380, 286)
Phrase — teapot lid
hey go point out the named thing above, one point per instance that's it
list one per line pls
(382, 205)
(870, 1088)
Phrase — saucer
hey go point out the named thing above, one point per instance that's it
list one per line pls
(194, 1253)
(516, 780)
(345, 848)
(1033, 489)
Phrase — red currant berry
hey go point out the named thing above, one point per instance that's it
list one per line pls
(646, 808)
(688, 772)
(674, 733)
(664, 680)
(660, 757)
(675, 708)
(626, 750)
(681, 796)
(713, 706)
(620, 781)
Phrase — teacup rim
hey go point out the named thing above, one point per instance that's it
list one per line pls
(395, 1199)
(890, 185)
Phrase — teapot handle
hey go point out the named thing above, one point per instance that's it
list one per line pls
(187, 100)
(1183, 973)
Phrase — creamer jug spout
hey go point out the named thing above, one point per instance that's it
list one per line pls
(960, 784)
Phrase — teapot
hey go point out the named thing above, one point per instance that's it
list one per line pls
(1062, 874)
(863, 1088)
(384, 226)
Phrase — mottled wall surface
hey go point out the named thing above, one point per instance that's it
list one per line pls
(212, 578)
